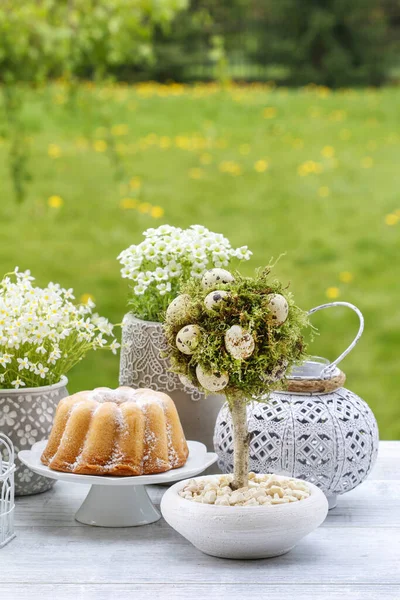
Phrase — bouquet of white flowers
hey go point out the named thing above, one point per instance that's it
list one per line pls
(167, 255)
(42, 333)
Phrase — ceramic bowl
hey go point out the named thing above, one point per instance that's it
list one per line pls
(243, 532)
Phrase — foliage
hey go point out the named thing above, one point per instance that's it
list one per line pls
(335, 43)
(167, 255)
(42, 333)
(277, 348)
(60, 38)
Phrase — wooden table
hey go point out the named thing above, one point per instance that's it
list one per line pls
(354, 555)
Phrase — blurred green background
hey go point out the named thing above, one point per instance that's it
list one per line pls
(286, 145)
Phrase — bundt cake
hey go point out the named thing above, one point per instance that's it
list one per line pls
(116, 432)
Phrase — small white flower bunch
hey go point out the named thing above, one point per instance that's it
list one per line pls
(42, 333)
(167, 255)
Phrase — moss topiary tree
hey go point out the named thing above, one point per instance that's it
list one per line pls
(235, 335)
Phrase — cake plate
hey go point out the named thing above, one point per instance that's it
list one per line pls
(120, 501)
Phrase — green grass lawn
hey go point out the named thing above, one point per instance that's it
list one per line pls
(308, 173)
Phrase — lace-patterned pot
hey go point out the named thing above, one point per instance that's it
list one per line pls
(26, 417)
(317, 430)
(142, 366)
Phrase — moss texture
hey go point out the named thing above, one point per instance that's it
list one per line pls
(277, 348)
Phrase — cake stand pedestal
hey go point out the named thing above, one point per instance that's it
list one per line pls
(120, 501)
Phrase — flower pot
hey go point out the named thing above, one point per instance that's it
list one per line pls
(143, 366)
(243, 532)
(26, 417)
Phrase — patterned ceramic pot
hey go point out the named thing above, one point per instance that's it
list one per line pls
(143, 366)
(317, 430)
(26, 417)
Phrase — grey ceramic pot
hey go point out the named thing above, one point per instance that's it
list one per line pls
(26, 417)
(143, 366)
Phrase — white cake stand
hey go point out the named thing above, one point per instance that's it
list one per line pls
(120, 501)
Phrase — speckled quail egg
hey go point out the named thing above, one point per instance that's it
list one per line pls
(214, 277)
(212, 382)
(212, 300)
(179, 308)
(279, 308)
(184, 379)
(239, 342)
(188, 338)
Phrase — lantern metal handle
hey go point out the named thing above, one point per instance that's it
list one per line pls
(328, 370)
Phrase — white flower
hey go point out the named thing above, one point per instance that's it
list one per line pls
(5, 359)
(41, 370)
(163, 288)
(114, 346)
(23, 363)
(17, 383)
(160, 274)
(243, 253)
(139, 290)
(197, 271)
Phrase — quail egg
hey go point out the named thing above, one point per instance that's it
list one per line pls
(188, 338)
(279, 308)
(239, 342)
(213, 299)
(178, 308)
(214, 277)
(212, 382)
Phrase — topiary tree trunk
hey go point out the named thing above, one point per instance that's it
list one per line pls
(241, 439)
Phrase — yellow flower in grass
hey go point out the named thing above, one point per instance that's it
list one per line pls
(367, 162)
(346, 277)
(270, 112)
(144, 207)
(54, 151)
(84, 299)
(128, 203)
(308, 167)
(324, 191)
(261, 165)
(231, 167)
(55, 202)
(100, 146)
(196, 173)
(328, 151)
(323, 91)
(392, 219)
(135, 183)
(332, 293)
(119, 129)
(157, 212)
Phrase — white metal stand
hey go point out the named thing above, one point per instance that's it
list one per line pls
(7, 468)
(120, 501)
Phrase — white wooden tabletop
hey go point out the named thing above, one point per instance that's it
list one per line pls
(354, 555)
